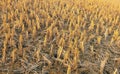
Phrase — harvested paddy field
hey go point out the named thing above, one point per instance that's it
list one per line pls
(59, 37)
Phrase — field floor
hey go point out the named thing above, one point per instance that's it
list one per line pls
(59, 37)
